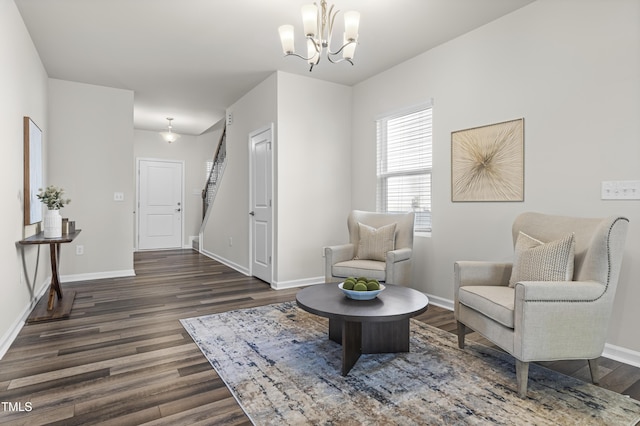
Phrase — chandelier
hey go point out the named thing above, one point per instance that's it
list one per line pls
(318, 29)
(169, 136)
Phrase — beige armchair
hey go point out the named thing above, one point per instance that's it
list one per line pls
(559, 301)
(380, 247)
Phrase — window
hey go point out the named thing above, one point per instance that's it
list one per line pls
(404, 164)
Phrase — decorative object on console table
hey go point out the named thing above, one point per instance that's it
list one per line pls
(46, 310)
(52, 198)
(487, 163)
(68, 226)
(52, 224)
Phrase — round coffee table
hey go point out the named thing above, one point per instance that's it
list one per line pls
(380, 325)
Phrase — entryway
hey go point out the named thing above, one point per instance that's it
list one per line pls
(159, 204)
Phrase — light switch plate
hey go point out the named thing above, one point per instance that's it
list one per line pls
(621, 190)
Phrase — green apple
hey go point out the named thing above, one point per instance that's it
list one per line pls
(373, 285)
(360, 287)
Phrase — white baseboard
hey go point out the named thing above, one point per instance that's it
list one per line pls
(616, 353)
(280, 285)
(276, 285)
(227, 262)
(97, 276)
(14, 330)
(439, 301)
(620, 354)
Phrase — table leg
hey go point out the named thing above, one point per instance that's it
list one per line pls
(385, 337)
(351, 344)
(335, 330)
(54, 250)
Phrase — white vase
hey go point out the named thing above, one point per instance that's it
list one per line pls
(52, 224)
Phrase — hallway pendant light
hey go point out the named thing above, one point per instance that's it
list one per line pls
(318, 29)
(169, 136)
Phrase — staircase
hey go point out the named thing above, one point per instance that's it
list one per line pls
(213, 182)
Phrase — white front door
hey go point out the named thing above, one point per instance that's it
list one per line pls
(260, 214)
(159, 204)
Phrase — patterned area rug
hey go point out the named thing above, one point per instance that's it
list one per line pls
(283, 370)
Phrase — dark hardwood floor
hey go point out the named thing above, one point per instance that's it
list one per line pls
(123, 358)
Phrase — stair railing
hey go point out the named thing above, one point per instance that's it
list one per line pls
(212, 184)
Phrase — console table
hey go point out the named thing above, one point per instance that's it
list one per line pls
(49, 311)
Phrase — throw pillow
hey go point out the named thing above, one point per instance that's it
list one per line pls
(539, 261)
(376, 242)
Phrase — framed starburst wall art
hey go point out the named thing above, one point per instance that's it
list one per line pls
(487, 163)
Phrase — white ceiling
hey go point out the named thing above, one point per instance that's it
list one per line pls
(190, 59)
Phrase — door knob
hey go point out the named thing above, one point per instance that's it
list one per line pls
(178, 210)
(252, 213)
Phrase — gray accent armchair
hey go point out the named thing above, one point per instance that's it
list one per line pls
(546, 320)
(340, 261)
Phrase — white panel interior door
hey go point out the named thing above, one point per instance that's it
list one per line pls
(261, 216)
(159, 204)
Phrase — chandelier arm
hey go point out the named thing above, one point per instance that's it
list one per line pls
(298, 55)
(315, 45)
(339, 60)
(337, 52)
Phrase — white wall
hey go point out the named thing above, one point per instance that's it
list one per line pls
(570, 68)
(23, 85)
(90, 152)
(229, 217)
(194, 151)
(311, 172)
(313, 175)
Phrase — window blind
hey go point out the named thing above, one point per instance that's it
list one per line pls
(404, 164)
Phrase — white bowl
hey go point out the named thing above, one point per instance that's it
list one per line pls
(361, 295)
